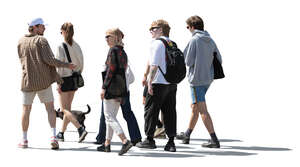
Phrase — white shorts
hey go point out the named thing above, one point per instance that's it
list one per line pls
(44, 95)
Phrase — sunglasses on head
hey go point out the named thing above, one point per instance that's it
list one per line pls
(154, 28)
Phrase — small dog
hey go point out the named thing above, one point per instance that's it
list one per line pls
(79, 115)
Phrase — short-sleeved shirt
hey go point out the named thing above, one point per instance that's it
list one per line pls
(158, 58)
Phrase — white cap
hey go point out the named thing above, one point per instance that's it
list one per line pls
(36, 21)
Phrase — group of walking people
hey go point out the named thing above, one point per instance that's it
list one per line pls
(40, 69)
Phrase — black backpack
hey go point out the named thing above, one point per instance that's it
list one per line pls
(175, 63)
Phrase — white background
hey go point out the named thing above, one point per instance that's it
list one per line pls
(255, 109)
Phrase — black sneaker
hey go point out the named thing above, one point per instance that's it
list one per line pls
(211, 144)
(104, 148)
(125, 147)
(146, 144)
(82, 133)
(134, 142)
(170, 146)
(60, 136)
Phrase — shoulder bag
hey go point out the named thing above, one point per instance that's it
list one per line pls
(74, 81)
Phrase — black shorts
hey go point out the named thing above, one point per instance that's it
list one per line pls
(68, 85)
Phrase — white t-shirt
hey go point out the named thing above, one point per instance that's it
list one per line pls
(75, 55)
(158, 58)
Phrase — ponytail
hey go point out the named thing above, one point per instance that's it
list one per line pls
(68, 28)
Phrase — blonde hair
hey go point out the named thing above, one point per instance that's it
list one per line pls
(118, 34)
(162, 24)
(68, 28)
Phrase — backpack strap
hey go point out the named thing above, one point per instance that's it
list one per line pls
(167, 47)
(161, 72)
(164, 41)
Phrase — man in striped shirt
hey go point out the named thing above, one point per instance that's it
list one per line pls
(38, 73)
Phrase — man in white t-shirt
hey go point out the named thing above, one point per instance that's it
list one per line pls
(161, 94)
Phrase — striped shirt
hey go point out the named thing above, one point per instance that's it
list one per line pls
(38, 63)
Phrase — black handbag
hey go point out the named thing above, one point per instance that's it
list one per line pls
(117, 87)
(74, 81)
(218, 69)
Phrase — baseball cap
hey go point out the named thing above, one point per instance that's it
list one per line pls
(36, 21)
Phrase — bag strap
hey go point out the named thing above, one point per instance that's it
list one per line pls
(165, 42)
(67, 53)
(215, 55)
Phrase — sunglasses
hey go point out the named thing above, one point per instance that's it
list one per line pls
(107, 36)
(152, 29)
(187, 27)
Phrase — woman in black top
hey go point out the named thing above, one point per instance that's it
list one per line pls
(114, 89)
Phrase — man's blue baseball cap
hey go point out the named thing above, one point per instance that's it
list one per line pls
(36, 21)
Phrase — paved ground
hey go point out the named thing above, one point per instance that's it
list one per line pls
(238, 148)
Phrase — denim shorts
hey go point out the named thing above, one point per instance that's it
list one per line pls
(198, 93)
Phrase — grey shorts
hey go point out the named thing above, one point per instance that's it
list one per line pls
(45, 96)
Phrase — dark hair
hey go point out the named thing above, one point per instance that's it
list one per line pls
(196, 22)
(68, 28)
(162, 24)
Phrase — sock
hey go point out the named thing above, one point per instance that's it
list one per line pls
(53, 131)
(24, 136)
(214, 137)
(188, 132)
(171, 139)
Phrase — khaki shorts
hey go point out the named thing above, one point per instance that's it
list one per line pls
(44, 95)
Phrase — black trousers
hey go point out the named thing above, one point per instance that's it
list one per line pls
(164, 99)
